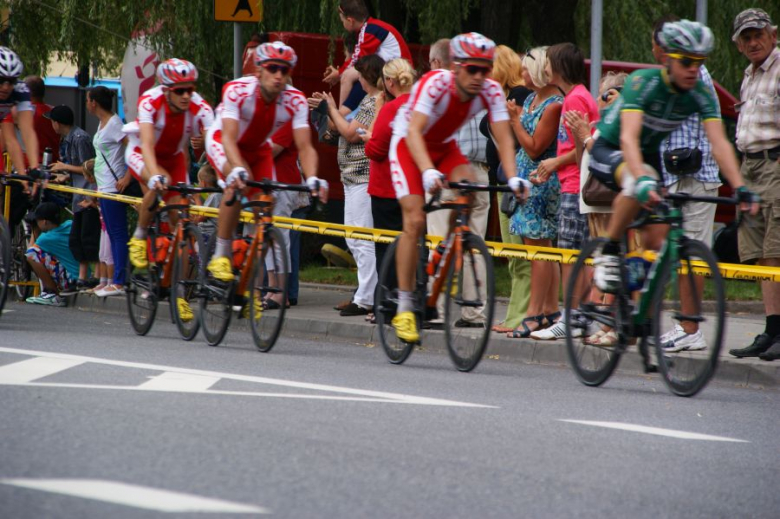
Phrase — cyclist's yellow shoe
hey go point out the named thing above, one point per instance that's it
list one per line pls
(258, 309)
(185, 312)
(221, 269)
(405, 325)
(137, 250)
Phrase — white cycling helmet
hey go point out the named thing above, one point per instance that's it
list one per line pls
(275, 51)
(174, 71)
(686, 37)
(10, 64)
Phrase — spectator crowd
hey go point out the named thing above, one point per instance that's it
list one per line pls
(552, 116)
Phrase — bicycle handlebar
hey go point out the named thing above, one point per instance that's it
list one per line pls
(268, 186)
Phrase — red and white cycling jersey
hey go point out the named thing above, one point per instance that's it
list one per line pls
(258, 120)
(172, 131)
(435, 95)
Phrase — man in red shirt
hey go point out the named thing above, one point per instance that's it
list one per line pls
(47, 137)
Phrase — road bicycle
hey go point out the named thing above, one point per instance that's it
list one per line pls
(653, 316)
(174, 269)
(261, 271)
(460, 271)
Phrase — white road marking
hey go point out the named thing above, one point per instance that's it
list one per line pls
(357, 394)
(169, 381)
(134, 495)
(671, 433)
(32, 369)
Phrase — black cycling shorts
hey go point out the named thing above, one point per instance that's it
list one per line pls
(606, 159)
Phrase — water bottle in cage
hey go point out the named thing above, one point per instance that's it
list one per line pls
(436, 255)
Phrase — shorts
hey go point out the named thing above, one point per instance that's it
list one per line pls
(572, 226)
(175, 165)
(407, 177)
(698, 217)
(606, 163)
(56, 269)
(260, 159)
(759, 235)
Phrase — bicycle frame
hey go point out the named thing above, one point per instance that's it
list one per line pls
(453, 249)
(263, 219)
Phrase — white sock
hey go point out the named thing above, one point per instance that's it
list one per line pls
(140, 234)
(405, 301)
(224, 248)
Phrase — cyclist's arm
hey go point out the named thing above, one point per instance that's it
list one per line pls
(416, 143)
(505, 143)
(27, 130)
(147, 149)
(723, 152)
(12, 146)
(630, 133)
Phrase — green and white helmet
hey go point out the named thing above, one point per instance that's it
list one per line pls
(686, 37)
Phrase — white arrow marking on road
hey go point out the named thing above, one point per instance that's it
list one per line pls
(357, 394)
(135, 496)
(35, 368)
(671, 433)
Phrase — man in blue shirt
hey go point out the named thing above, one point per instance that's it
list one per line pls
(50, 256)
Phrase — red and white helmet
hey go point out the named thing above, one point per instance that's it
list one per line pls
(472, 45)
(275, 51)
(174, 71)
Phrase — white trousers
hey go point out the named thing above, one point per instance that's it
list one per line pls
(284, 204)
(357, 212)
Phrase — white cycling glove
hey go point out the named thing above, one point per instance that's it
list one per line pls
(519, 185)
(235, 174)
(431, 177)
(156, 179)
(316, 183)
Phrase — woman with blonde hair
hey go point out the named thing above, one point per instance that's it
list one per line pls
(396, 83)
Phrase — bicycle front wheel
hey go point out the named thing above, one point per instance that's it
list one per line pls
(185, 283)
(269, 278)
(469, 303)
(386, 306)
(593, 321)
(20, 269)
(216, 301)
(142, 291)
(5, 262)
(689, 317)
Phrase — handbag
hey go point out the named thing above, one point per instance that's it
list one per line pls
(596, 194)
(508, 204)
(684, 161)
(132, 189)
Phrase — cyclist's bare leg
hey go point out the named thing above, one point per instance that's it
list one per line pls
(406, 253)
(624, 212)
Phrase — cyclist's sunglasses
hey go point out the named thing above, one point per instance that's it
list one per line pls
(687, 61)
(473, 70)
(605, 95)
(273, 68)
(183, 90)
(8, 80)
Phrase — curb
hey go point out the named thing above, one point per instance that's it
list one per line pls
(749, 373)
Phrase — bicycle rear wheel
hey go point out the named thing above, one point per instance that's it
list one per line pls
(185, 283)
(5, 262)
(689, 362)
(469, 303)
(216, 302)
(20, 269)
(594, 324)
(142, 292)
(266, 323)
(386, 306)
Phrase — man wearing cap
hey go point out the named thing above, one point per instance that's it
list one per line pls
(758, 138)
(75, 149)
(50, 256)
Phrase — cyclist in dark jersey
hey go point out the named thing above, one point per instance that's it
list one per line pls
(653, 103)
(15, 105)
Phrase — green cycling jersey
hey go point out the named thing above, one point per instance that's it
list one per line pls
(664, 107)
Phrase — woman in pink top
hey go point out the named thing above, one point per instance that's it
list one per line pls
(566, 70)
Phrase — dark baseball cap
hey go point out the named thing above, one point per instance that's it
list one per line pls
(61, 114)
(47, 211)
(750, 19)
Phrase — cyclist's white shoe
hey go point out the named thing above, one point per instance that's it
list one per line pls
(607, 273)
(677, 340)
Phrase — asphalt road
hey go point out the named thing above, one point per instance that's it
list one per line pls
(98, 422)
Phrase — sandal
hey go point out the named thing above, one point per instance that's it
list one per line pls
(605, 339)
(270, 304)
(553, 317)
(526, 331)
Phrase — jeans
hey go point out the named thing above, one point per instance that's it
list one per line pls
(115, 218)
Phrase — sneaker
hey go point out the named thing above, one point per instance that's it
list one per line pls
(110, 290)
(185, 312)
(98, 288)
(221, 269)
(607, 273)
(137, 251)
(677, 340)
(71, 290)
(47, 299)
(405, 324)
(554, 332)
